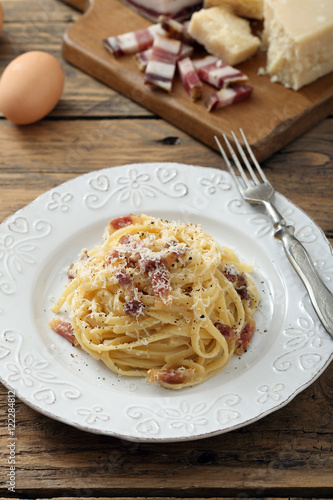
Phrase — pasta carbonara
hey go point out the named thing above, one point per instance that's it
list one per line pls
(159, 299)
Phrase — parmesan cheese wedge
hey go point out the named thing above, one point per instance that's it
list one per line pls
(252, 9)
(224, 34)
(298, 35)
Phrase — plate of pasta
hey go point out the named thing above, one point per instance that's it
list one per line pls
(156, 305)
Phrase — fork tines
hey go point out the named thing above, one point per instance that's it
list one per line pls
(246, 159)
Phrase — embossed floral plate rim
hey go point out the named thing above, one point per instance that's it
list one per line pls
(36, 245)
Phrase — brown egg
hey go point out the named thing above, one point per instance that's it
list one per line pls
(30, 87)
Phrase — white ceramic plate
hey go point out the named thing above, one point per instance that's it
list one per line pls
(37, 244)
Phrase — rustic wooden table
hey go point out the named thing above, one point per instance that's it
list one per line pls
(286, 454)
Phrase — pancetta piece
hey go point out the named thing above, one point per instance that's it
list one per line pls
(245, 337)
(143, 57)
(65, 329)
(120, 222)
(189, 78)
(224, 97)
(133, 307)
(176, 29)
(214, 71)
(124, 279)
(226, 330)
(132, 41)
(171, 376)
(239, 279)
(161, 67)
(161, 286)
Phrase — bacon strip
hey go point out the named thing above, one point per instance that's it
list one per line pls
(241, 287)
(124, 280)
(225, 330)
(132, 41)
(162, 63)
(231, 273)
(239, 280)
(225, 97)
(171, 376)
(120, 222)
(133, 308)
(190, 79)
(214, 71)
(142, 58)
(65, 329)
(176, 29)
(245, 337)
(160, 282)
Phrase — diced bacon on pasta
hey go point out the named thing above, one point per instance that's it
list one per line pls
(112, 256)
(231, 273)
(133, 307)
(120, 222)
(171, 376)
(159, 298)
(148, 265)
(161, 286)
(245, 337)
(226, 330)
(65, 329)
(238, 279)
(241, 287)
(124, 279)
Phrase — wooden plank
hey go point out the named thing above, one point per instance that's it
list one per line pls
(51, 152)
(155, 498)
(83, 95)
(35, 12)
(273, 116)
(286, 453)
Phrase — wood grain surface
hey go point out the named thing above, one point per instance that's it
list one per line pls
(272, 118)
(288, 454)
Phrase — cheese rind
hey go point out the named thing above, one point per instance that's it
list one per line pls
(252, 9)
(298, 35)
(223, 34)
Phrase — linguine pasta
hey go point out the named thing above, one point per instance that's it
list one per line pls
(159, 299)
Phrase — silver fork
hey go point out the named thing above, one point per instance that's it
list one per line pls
(257, 189)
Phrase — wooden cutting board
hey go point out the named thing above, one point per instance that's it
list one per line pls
(271, 118)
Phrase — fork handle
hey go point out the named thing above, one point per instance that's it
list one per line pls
(321, 297)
